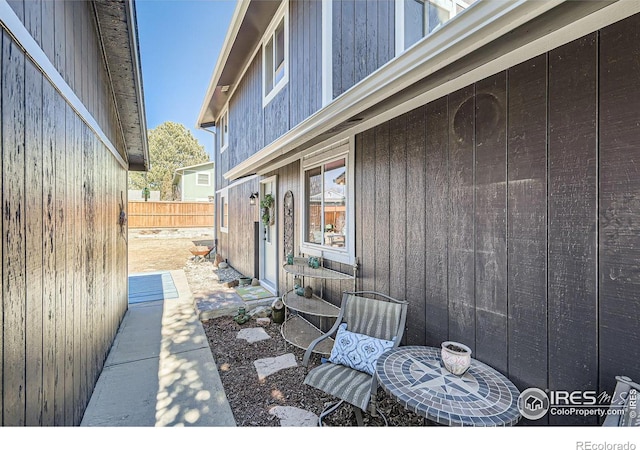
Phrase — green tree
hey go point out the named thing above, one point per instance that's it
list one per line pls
(171, 146)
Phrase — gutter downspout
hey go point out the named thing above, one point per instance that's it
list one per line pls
(212, 129)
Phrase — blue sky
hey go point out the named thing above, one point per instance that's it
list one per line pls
(179, 45)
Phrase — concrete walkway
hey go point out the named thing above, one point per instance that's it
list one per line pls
(160, 371)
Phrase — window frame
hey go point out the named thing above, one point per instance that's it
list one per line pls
(343, 150)
(400, 21)
(282, 14)
(223, 124)
(208, 183)
(224, 208)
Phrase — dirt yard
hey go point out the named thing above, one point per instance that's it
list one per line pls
(152, 250)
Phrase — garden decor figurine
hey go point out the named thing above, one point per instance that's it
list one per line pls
(242, 316)
(314, 262)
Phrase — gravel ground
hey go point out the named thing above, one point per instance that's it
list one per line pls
(251, 399)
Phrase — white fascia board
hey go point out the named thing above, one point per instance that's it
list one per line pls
(195, 165)
(230, 38)
(137, 67)
(487, 21)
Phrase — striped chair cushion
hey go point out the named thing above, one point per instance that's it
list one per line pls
(360, 313)
(342, 382)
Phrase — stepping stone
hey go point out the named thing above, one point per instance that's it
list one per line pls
(294, 417)
(269, 366)
(252, 335)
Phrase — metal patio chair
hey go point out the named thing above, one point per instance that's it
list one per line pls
(624, 408)
(382, 319)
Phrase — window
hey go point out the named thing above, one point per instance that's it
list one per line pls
(224, 213)
(275, 51)
(326, 204)
(224, 130)
(202, 179)
(423, 17)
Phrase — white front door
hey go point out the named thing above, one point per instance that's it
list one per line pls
(269, 237)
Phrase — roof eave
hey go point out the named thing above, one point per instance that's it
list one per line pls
(117, 27)
(248, 24)
(345, 113)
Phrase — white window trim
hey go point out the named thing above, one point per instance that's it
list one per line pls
(347, 254)
(208, 183)
(327, 52)
(399, 25)
(224, 199)
(282, 12)
(224, 135)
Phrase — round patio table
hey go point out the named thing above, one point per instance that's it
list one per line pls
(417, 379)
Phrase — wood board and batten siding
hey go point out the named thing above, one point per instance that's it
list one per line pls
(305, 55)
(253, 125)
(363, 40)
(239, 246)
(521, 208)
(63, 290)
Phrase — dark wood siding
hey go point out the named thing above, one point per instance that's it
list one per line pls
(246, 121)
(491, 221)
(527, 231)
(66, 31)
(363, 40)
(527, 223)
(61, 188)
(572, 218)
(461, 282)
(619, 196)
(305, 59)
(276, 115)
(238, 245)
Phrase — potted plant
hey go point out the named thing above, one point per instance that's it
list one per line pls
(456, 357)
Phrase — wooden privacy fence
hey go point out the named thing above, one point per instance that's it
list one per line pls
(170, 214)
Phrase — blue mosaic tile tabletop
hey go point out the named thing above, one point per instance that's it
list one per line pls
(417, 379)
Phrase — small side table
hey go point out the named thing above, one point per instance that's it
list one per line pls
(417, 379)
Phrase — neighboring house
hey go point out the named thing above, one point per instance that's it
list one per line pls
(195, 183)
(491, 170)
(72, 125)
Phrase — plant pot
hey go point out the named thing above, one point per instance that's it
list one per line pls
(456, 357)
(244, 281)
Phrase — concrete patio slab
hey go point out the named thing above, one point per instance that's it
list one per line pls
(160, 371)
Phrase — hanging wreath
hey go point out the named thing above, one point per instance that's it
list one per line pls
(266, 205)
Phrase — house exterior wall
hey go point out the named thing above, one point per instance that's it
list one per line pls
(363, 40)
(192, 191)
(239, 245)
(504, 213)
(64, 256)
